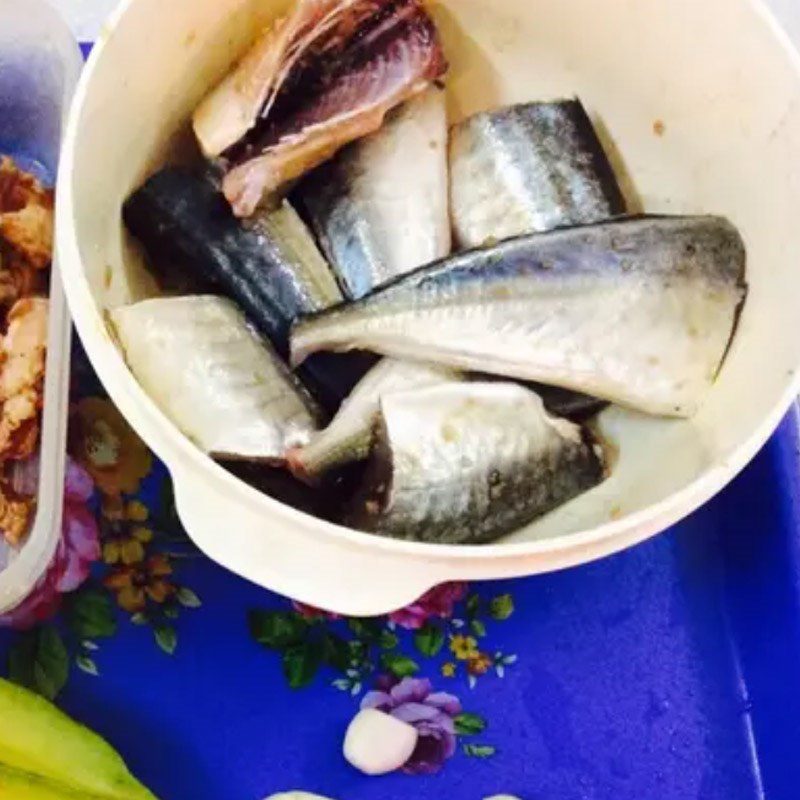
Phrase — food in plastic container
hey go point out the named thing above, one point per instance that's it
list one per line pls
(39, 66)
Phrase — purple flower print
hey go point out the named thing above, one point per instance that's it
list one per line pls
(431, 713)
(78, 549)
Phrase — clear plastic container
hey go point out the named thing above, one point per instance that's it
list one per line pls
(40, 62)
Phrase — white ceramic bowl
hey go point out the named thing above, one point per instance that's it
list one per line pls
(701, 101)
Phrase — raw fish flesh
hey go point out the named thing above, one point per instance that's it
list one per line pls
(639, 311)
(528, 169)
(380, 207)
(238, 103)
(468, 463)
(320, 78)
(215, 378)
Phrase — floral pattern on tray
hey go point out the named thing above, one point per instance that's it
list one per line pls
(446, 633)
(625, 686)
(122, 555)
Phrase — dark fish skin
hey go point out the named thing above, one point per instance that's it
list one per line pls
(469, 463)
(330, 377)
(638, 311)
(180, 216)
(182, 220)
(281, 486)
(322, 500)
(529, 168)
(565, 403)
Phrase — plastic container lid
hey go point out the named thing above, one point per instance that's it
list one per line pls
(40, 62)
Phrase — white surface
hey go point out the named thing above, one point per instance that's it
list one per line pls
(730, 105)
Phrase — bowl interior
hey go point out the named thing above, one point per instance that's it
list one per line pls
(697, 102)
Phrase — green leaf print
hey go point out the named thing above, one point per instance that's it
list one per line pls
(90, 614)
(469, 724)
(429, 640)
(40, 662)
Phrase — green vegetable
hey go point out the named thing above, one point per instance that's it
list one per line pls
(44, 755)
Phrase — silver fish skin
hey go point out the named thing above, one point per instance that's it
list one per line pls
(212, 375)
(294, 246)
(529, 168)
(468, 463)
(349, 436)
(639, 312)
(380, 208)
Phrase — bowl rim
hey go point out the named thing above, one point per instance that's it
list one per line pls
(177, 451)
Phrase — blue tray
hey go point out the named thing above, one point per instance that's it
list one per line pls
(669, 671)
